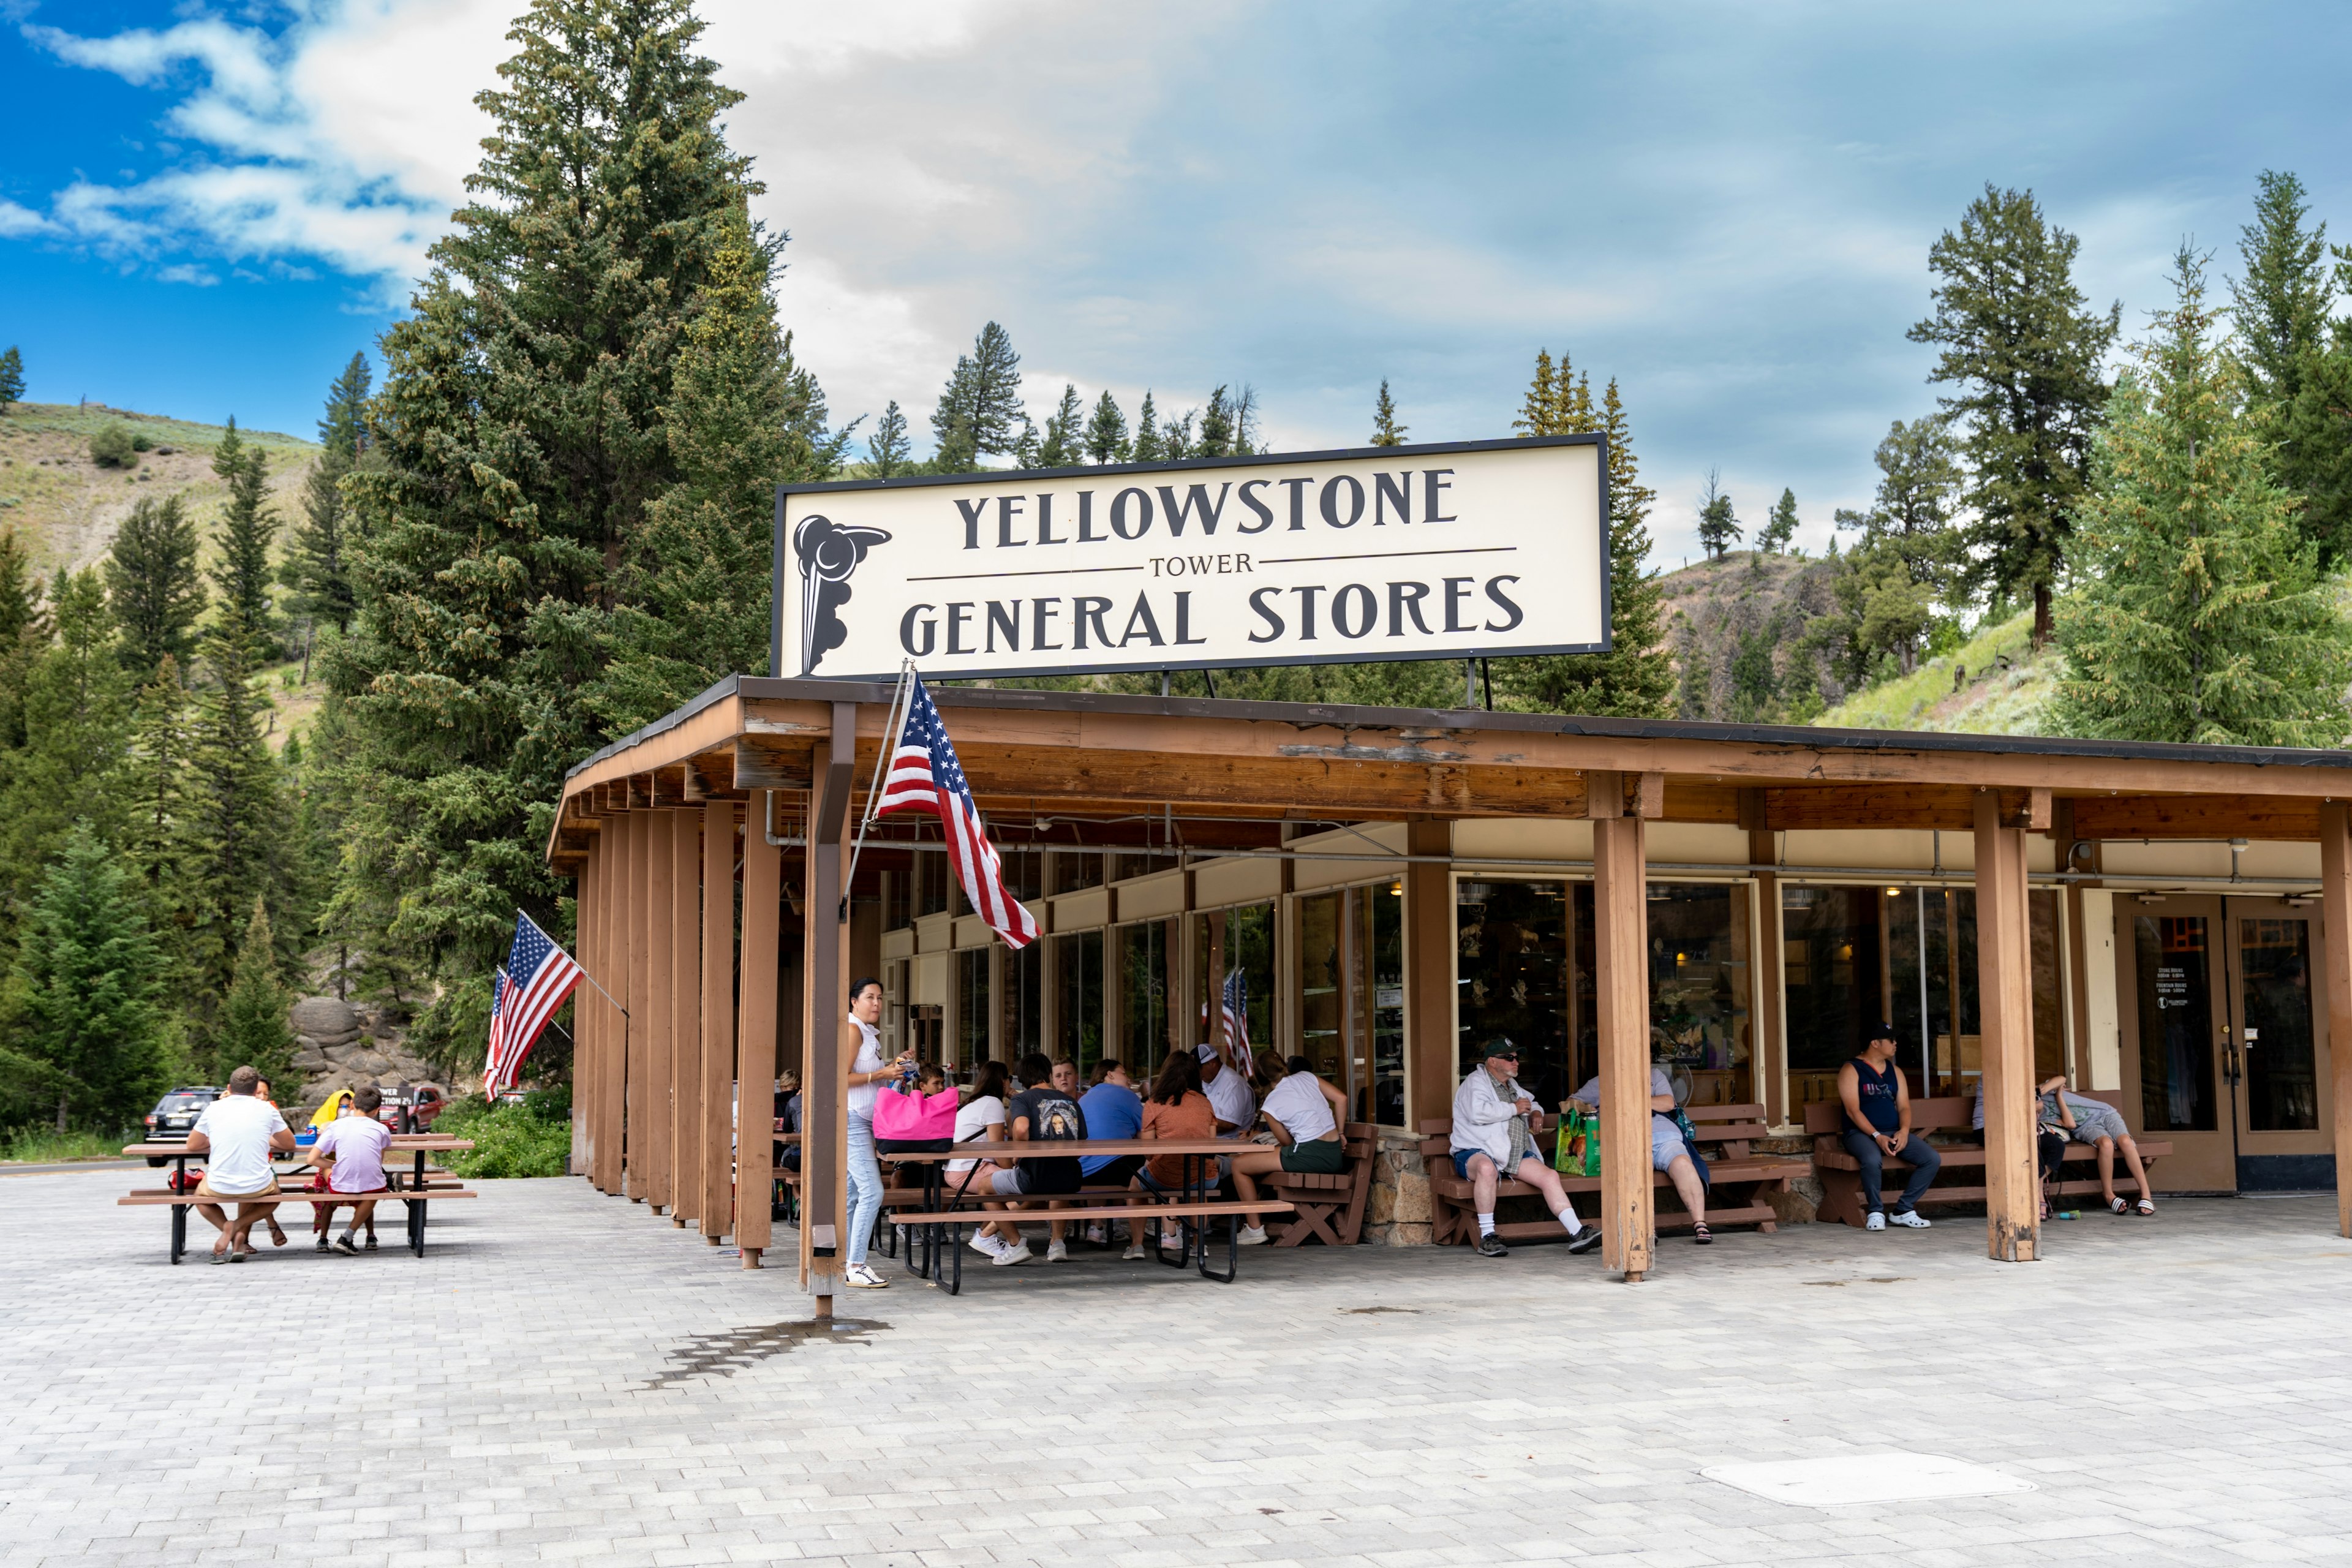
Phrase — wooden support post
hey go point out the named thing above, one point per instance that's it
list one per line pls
(661, 1189)
(718, 1017)
(2005, 1009)
(1620, 951)
(636, 1137)
(594, 1010)
(617, 966)
(824, 1111)
(683, 918)
(755, 1042)
(2335, 933)
(1769, 1061)
(1213, 1024)
(1433, 1048)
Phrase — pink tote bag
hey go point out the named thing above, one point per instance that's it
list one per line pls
(911, 1116)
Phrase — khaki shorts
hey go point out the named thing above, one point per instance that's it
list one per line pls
(204, 1190)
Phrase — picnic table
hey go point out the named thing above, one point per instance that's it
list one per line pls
(414, 1197)
(941, 1221)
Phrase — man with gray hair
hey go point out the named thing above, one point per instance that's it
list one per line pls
(1493, 1138)
(237, 1134)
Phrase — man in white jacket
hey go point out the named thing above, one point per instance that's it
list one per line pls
(1492, 1133)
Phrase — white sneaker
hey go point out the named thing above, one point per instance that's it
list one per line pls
(1876, 1221)
(1133, 1254)
(988, 1244)
(1251, 1236)
(1095, 1237)
(1018, 1253)
(865, 1279)
(1910, 1219)
(1057, 1252)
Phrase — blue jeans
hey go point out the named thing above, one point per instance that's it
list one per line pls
(1924, 1163)
(864, 1185)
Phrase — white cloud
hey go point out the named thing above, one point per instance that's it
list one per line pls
(17, 221)
(180, 272)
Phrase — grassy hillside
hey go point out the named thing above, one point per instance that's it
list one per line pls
(65, 509)
(1993, 685)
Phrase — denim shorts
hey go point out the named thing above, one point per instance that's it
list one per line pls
(1462, 1158)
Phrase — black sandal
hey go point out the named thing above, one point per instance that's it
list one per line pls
(1701, 1235)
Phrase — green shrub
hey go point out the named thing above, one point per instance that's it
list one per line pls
(112, 447)
(142, 442)
(523, 1140)
(43, 1146)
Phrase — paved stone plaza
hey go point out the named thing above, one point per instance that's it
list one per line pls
(564, 1378)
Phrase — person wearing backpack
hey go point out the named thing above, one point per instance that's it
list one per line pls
(1671, 1150)
(1046, 1111)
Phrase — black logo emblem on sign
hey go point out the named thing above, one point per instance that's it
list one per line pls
(828, 553)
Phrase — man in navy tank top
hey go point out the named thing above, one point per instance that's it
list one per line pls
(1878, 1129)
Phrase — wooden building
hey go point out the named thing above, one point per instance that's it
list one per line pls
(1394, 887)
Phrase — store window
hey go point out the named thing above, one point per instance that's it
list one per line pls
(971, 1006)
(1142, 952)
(1021, 1001)
(1024, 873)
(1855, 956)
(932, 884)
(1076, 871)
(1699, 988)
(1511, 980)
(1078, 998)
(1239, 943)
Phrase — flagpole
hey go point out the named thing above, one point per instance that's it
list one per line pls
(591, 979)
(881, 761)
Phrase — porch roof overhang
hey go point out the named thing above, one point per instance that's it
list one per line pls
(1090, 753)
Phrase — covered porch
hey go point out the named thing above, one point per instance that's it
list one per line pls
(1395, 885)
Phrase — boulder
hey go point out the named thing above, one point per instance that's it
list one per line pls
(325, 1019)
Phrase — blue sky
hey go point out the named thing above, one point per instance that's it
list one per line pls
(206, 209)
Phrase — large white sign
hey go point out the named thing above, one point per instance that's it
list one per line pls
(1487, 547)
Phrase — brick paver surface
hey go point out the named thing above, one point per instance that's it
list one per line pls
(564, 1378)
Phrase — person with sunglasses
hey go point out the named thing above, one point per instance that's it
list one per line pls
(1493, 1133)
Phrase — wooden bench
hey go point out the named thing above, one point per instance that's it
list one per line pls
(1738, 1178)
(1329, 1208)
(180, 1203)
(1961, 1180)
(1190, 1218)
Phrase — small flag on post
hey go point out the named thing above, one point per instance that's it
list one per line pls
(537, 977)
(1236, 1019)
(926, 777)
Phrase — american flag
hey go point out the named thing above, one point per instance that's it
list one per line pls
(925, 776)
(538, 976)
(1237, 1018)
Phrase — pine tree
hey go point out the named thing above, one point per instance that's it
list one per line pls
(86, 975)
(886, 449)
(254, 1030)
(2202, 616)
(1718, 530)
(75, 716)
(1780, 528)
(1386, 431)
(521, 437)
(1910, 562)
(1636, 677)
(1695, 691)
(2282, 303)
(1106, 431)
(160, 747)
(1064, 444)
(153, 586)
(1217, 433)
(2018, 340)
(235, 836)
(12, 378)
(318, 565)
(980, 403)
(242, 573)
(1146, 432)
(24, 634)
(1176, 442)
(2312, 452)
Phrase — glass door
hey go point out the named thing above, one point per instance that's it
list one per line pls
(2178, 1064)
(2275, 1054)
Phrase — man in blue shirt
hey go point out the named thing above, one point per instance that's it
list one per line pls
(1878, 1129)
(1112, 1109)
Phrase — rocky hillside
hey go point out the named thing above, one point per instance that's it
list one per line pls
(1757, 605)
(1994, 684)
(342, 1044)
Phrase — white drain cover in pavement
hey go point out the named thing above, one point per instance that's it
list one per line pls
(1849, 1479)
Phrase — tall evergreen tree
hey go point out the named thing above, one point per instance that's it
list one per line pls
(1106, 431)
(1176, 439)
(1063, 444)
(86, 976)
(2282, 303)
(2020, 342)
(233, 846)
(887, 448)
(75, 714)
(1636, 677)
(1781, 527)
(161, 751)
(241, 574)
(980, 407)
(1910, 563)
(2202, 615)
(254, 1030)
(1146, 432)
(12, 378)
(522, 437)
(1386, 431)
(1217, 432)
(317, 567)
(152, 583)
(1718, 530)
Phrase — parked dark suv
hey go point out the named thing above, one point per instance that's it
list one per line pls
(175, 1115)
